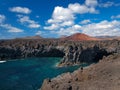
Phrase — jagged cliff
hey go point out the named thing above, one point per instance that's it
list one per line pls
(105, 75)
(73, 52)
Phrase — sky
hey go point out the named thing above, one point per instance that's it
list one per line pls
(56, 18)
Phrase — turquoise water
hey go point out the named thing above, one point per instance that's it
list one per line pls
(28, 74)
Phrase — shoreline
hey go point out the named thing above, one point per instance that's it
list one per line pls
(103, 75)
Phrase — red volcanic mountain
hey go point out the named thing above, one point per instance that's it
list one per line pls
(80, 37)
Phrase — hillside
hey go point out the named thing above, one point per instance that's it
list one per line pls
(80, 37)
(104, 75)
(108, 37)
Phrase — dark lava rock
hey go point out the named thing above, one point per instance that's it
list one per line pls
(73, 52)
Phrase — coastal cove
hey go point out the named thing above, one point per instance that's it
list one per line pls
(29, 73)
(60, 45)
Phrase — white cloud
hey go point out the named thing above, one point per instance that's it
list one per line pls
(64, 17)
(23, 10)
(67, 23)
(102, 28)
(115, 17)
(85, 21)
(91, 3)
(2, 18)
(11, 28)
(52, 27)
(62, 20)
(25, 19)
(14, 29)
(81, 9)
(76, 27)
(108, 4)
(38, 33)
(109, 28)
(28, 22)
(34, 25)
(8, 27)
(61, 14)
(68, 31)
(61, 17)
(77, 8)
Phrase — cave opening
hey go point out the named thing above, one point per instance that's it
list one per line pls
(100, 54)
(91, 55)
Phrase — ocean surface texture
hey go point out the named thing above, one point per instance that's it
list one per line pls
(29, 73)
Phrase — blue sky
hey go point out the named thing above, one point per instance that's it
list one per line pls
(55, 18)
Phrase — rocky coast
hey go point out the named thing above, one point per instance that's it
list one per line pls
(72, 52)
(104, 75)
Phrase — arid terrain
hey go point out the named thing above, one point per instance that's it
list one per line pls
(104, 75)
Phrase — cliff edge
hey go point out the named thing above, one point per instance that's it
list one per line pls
(104, 75)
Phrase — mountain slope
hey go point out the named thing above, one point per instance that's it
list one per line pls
(80, 37)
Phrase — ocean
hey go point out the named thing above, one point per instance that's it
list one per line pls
(29, 73)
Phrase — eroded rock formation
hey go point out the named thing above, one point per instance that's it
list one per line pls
(76, 55)
(73, 52)
(104, 75)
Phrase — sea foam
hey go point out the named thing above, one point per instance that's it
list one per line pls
(2, 61)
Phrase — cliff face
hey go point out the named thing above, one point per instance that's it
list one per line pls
(104, 75)
(90, 51)
(73, 52)
(21, 48)
(78, 55)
